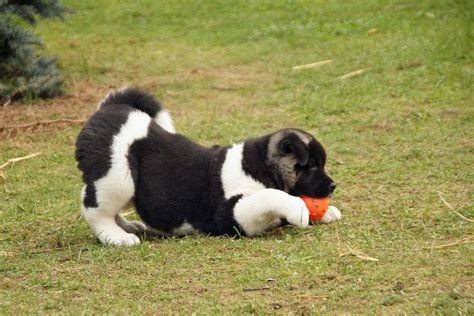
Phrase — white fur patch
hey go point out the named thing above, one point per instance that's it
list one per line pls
(115, 189)
(185, 229)
(119, 175)
(163, 118)
(331, 215)
(304, 138)
(102, 222)
(234, 179)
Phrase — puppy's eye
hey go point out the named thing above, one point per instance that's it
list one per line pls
(313, 168)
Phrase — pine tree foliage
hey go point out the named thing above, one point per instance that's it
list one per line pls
(24, 73)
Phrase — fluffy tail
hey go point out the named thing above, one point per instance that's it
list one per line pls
(142, 101)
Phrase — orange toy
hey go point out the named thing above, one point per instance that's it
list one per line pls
(317, 207)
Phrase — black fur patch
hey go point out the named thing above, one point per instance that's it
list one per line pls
(225, 218)
(135, 98)
(93, 145)
(255, 164)
(90, 199)
(178, 181)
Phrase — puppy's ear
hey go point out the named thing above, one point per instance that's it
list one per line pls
(293, 145)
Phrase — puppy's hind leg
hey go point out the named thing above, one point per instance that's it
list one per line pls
(130, 226)
(101, 202)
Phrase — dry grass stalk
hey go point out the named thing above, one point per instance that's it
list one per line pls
(358, 254)
(352, 74)
(257, 289)
(452, 208)
(313, 65)
(351, 252)
(125, 214)
(373, 31)
(459, 242)
(47, 250)
(14, 160)
(41, 123)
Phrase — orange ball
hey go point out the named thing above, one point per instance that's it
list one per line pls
(317, 207)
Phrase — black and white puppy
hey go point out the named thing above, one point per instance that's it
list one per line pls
(128, 151)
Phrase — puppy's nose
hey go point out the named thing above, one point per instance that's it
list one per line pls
(332, 186)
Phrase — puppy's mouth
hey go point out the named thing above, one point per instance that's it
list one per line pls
(325, 193)
(320, 191)
(328, 196)
(320, 196)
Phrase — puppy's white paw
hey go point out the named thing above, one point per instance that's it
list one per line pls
(298, 214)
(118, 238)
(332, 214)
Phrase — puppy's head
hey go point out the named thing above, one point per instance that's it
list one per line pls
(298, 162)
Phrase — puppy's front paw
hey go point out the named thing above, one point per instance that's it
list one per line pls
(299, 214)
(332, 214)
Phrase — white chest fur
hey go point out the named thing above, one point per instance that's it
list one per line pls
(234, 179)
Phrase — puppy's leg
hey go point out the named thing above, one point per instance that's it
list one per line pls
(261, 210)
(130, 226)
(101, 202)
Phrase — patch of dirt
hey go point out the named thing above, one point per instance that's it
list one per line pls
(79, 103)
(384, 125)
(82, 97)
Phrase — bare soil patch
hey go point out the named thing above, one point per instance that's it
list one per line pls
(77, 103)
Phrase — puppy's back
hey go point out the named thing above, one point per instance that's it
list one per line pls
(94, 143)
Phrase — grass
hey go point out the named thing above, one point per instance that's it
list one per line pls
(396, 136)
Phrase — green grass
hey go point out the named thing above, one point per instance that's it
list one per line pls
(395, 135)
